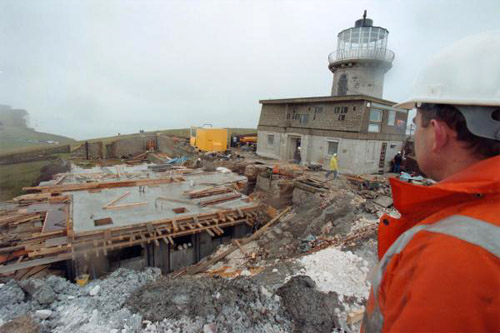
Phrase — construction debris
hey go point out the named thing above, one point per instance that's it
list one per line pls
(303, 271)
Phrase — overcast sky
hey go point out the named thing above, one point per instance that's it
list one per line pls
(95, 68)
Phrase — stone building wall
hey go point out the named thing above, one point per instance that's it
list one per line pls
(355, 156)
(175, 147)
(131, 146)
(95, 151)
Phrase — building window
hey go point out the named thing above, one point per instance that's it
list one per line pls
(341, 117)
(287, 116)
(304, 118)
(333, 147)
(374, 128)
(375, 115)
(392, 118)
(343, 109)
(336, 110)
(270, 139)
(318, 110)
(353, 108)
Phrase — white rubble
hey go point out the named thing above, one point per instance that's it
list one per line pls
(74, 309)
(43, 314)
(334, 270)
(94, 291)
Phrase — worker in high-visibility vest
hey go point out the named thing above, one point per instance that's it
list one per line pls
(439, 267)
(334, 166)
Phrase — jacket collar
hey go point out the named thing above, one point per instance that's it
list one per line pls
(480, 178)
(416, 202)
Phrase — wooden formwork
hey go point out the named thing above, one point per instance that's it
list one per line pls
(23, 249)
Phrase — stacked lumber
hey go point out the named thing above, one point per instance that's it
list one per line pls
(311, 185)
(137, 159)
(208, 192)
(103, 185)
(220, 199)
(21, 234)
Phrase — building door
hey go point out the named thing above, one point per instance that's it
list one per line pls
(294, 143)
(381, 163)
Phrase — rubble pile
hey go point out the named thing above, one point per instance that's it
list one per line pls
(311, 311)
(61, 306)
(305, 271)
(194, 304)
(339, 271)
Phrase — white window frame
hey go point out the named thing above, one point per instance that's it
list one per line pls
(391, 120)
(371, 130)
(381, 112)
(328, 146)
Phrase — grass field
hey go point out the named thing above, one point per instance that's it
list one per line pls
(13, 177)
(13, 139)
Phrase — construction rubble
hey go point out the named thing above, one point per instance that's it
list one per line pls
(236, 246)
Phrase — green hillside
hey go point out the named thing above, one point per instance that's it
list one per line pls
(16, 135)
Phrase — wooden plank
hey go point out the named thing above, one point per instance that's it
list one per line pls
(63, 240)
(203, 265)
(240, 247)
(222, 199)
(32, 263)
(129, 205)
(102, 185)
(262, 230)
(355, 316)
(210, 232)
(209, 192)
(34, 271)
(174, 225)
(217, 232)
(112, 202)
(59, 181)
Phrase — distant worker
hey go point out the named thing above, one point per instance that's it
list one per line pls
(297, 157)
(439, 267)
(334, 166)
(398, 159)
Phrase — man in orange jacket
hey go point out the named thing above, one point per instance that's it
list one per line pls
(439, 264)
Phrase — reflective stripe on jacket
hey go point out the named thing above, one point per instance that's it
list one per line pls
(440, 262)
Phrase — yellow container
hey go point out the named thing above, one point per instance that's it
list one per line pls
(82, 280)
(211, 139)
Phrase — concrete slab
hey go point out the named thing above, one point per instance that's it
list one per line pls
(87, 206)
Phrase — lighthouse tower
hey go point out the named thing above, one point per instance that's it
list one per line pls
(361, 60)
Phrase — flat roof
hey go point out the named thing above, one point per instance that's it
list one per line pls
(318, 99)
(88, 206)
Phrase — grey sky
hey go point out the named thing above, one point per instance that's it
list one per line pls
(95, 68)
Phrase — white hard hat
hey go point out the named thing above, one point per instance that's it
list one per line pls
(465, 73)
(467, 76)
(335, 154)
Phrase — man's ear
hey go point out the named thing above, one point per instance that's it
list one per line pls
(442, 135)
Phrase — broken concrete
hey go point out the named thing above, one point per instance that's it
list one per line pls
(238, 305)
(309, 310)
